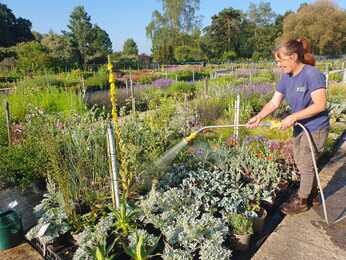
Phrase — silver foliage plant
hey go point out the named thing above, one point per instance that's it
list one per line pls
(91, 236)
(52, 214)
(191, 210)
(176, 213)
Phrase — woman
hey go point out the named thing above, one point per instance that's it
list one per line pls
(304, 88)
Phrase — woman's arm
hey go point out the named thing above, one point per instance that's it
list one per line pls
(319, 104)
(267, 109)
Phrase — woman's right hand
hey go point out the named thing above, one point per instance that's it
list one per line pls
(253, 122)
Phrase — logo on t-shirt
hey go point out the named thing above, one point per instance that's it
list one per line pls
(301, 89)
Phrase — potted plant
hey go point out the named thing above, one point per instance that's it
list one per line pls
(242, 229)
(258, 215)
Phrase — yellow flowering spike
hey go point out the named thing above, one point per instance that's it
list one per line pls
(109, 66)
(111, 78)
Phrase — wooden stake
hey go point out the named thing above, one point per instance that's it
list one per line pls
(206, 87)
(8, 121)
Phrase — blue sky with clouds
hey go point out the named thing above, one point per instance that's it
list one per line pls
(123, 19)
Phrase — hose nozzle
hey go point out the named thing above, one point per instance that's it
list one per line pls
(271, 124)
(192, 136)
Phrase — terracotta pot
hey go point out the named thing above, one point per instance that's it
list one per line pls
(258, 222)
(241, 242)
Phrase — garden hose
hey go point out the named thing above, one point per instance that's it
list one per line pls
(316, 170)
(273, 125)
(193, 135)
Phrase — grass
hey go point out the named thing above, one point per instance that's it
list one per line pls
(337, 92)
(49, 100)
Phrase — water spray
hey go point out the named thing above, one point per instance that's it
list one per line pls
(169, 156)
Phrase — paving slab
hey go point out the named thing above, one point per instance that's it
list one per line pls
(22, 252)
(307, 235)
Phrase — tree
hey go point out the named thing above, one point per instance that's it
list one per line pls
(101, 46)
(223, 33)
(229, 56)
(37, 36)
(264, 32)
(163, 47)
(261, 15)
(323, 23)
(91, 42)
(278, 24)
(181, 14)
(186, 53)
(167, 28)
(130, 48)
(81, 32)
(32, 57)
(59, 49)
(13, 30)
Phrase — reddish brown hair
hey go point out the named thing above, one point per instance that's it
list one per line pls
(299, 46)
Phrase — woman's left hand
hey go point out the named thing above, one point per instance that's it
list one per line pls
(287, 122)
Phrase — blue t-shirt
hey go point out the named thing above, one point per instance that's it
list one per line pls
(297, 92)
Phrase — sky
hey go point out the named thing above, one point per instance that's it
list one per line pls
(123, 19)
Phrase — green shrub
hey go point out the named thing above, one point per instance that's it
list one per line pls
(48, 100)
(240, 224)
(99, 79)
(229, 56)
(147, 78)
(209, 110)
(3, 129)
(185, 75)
(22, 163)
(78, 161)
(336, 76)
(142, 143)
(223, 81)
(337, 92)
(265, 76)
(180, 89)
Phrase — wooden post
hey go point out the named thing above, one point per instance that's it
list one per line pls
(327, 76)
(185, 98)
(83, 85)
(127, 88)
(237, 117)
(250, 76)
(193, 76)
(132, 96)
(206, 87)
(8, 121)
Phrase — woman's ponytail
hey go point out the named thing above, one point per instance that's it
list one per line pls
(301, 47)
(308, 57)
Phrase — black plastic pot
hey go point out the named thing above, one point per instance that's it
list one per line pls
(241, 242)
(258, 223)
